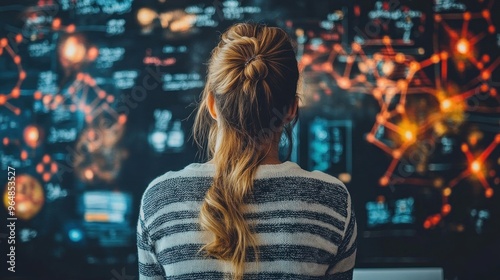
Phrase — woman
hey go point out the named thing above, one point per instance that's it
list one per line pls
(245, 214)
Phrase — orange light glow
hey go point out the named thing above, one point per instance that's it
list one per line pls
(463, 46)
(56, 23)
(409, 135)
(122, 119)
(31, 136)
(384, 181)
(37, 95)
(446, 209)
(46, 159)
(445, 105)
(3, 99)
(46, 176)
(89, 175)
(73, 50)
(71, 28)
(145, 16)
(92, 53)
(39, 168)
(488, 193)
(475, 166)
(447, 192)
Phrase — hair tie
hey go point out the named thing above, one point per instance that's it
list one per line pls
(250, 59)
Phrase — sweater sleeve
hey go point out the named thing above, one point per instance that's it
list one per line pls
(342, 266)
(149, 267)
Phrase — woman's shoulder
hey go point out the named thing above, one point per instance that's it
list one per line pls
(291, 170)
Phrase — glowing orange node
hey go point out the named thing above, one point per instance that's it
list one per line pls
(480, 65)
(46, 99)
(409, 135)
(3, 42)
(463, 46)
(88, 118)
(37, 95)
(488, 193)
(485, 13)
(475, 166)
(447, 192)
(15, 92)
(493, 92)
(344, 83)
(46, 177)
(58, 98)
(3, 99)
(356, 47)
(384, 181)
(414, 66)
(19, 38)
(435, 219)
(396, 154)
(110, 98)
(435, 58)
(497, 138)
(46, 159)
(427, 224)
(485, 58)
(437, 18)
(53, 167)
(39, 168)
(386, 40)
(464, 148)
(22, 75)
(400, 58)
(70, 28)
(73, 50)
(370, 138)
(101, 94)
(443, 55)
(484, 87)
(485, 75)
(446, 209)
(24, 155)
(5, 141)
(122, 119)
(56, 23)
(31, 136)
(467, 16)
(445, 105)
(92, 53)
(17, 111)
(491, 29)
(89, 174)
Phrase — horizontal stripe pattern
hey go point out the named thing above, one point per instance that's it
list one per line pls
(302, 220)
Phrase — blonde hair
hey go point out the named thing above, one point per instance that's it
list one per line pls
(253, 77)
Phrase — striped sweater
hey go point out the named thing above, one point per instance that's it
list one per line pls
(303, 221)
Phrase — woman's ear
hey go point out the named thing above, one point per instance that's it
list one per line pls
(292, 111)
(211, 105)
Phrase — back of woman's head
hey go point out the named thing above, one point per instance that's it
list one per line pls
(252, 78)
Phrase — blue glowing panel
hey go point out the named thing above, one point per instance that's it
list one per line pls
(330, 146)
(105, 206)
